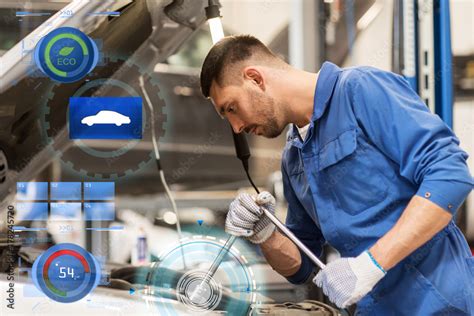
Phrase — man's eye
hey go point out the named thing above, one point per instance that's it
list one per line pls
(231, 109)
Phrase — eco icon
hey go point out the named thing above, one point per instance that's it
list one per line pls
(66, 55)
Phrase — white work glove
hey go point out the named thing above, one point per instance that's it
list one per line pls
(346, 280)
(246, 218)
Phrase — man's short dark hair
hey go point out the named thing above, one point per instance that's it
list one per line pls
(228, 52)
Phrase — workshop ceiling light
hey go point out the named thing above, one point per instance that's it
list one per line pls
(214, 18)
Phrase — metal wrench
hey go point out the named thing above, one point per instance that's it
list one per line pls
(230, 241)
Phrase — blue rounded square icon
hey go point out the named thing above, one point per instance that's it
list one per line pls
(105, 118)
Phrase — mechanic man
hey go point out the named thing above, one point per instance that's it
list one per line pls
(366, 168)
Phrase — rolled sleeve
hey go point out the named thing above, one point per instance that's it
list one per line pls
(448, 195)
(400, 125)
(304, 228)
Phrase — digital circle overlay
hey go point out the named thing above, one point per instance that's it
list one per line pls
(181, 274)
(119, 162)
(198, 292)
(66, 273)
(66, 54)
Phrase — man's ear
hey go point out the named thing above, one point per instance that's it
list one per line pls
(255, 76)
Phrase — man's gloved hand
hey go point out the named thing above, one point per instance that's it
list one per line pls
(346, 280)
(245, 217)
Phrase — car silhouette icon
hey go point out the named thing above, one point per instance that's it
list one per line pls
(106, 117)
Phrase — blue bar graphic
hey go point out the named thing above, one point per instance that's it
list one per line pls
(114, 13)
(29, 191)
(103, 211)
(66, 211)
(26, 13)
(32, 211)
(111, 228)
(28, 229)
(101, 191)
(66, 191)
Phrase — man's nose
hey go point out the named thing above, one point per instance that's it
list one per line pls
(237, 125)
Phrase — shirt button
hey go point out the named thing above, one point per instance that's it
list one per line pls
(427, 194)
(450, 206)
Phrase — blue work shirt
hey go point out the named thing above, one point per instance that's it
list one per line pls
(372, 144)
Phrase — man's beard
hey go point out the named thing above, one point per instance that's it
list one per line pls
(270, 128)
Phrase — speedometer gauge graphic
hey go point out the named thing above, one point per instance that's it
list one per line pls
(66, 273)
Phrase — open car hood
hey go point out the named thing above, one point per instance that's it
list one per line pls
(148, 30)
(168, 24)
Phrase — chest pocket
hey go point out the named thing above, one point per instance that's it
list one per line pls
(348, 170)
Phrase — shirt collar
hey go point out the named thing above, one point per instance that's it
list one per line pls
(327, 78)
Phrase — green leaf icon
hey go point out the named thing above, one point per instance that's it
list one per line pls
(65, 51)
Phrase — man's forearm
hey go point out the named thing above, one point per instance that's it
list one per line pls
(282, 254)
(420, 221)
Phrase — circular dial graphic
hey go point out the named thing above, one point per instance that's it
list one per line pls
(198, 292)
(66, 54)
(66, 273)
(118, 162)
(181, 274)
